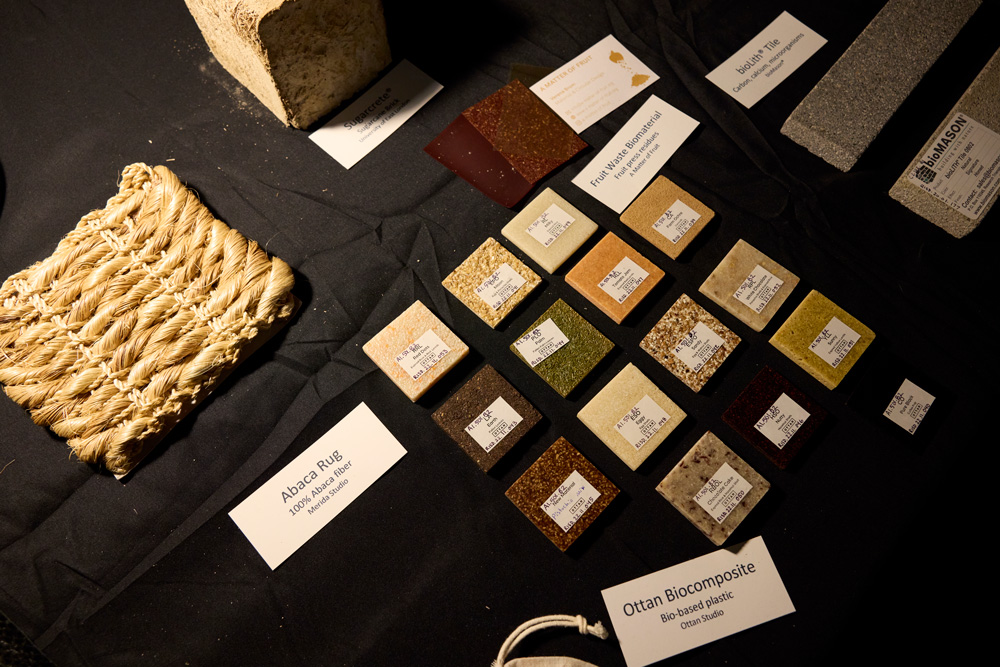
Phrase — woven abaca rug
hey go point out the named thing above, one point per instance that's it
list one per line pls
(136, 316)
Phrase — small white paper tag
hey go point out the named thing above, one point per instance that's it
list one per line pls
(373, 117)
(500, 286)
(421, 355)
(721, 494)
(834, 342)
(961, 168)
(550, 225)
(698, 346)
(568, 503)
(623, 280)
(635, 154)
(540, 343)
(676, 221)
(909, 406)
(758, 289)
(594, 84)
(688, 605)
(495, 422)
(781, 421)
(291, 507)
(642, 422)
(766, 60)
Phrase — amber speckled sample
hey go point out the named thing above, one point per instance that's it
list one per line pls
(415, 350)
(713, 488)
(549, 229)
(614, 277)
(667, 216)
(690, 342)
(562, 493)
(750, 285)
(491, 282)
(823, 338)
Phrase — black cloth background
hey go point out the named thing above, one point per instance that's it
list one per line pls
(874, 534)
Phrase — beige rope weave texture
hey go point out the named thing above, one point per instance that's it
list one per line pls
(139, 309)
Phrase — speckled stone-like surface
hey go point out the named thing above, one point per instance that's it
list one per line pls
(757, 399)
(614, 401)
(403, 331)
(693, 472)
(680, 319)
(730, 274)
(586, 276)
(981, 102)
(470, 401)
(545, 476)
(654, 201)
(480, 265)
(855, 99)
(806, 322)
(569, 241)
(571, 363)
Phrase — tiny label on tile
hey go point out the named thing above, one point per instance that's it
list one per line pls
(421, 355)
(781, 421)
(500, 286)
(642, 422)
(495, 422)
(834, 342)
(676, 221)
(540, 343)
(698, 346)
(909, 406)
(623, 279)
(758, 289)
(550, 225)
(721, 494)
(569, 502)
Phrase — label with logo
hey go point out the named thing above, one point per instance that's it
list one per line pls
(550, 225)
(909, 406)
(495, 422)
(781, 421)
(642, 422)
(834, 342)
(568, 503)
(421, 355)
(721, 494)
(540, 343)
(698, 346)
(676, 221)
(758, 289)
(623, 280)
(500, 286)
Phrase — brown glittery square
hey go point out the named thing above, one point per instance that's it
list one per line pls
(614, 277)
(562, 493)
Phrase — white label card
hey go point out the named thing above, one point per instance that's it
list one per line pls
(373, 117)
(909, 406)
(623, 280)
(758, 289)
(834, 342)
(291, 507)
(540, 343)
(500, 286)
(635, 154)
(550, 225)
(495, 422)
(781, 421)
(642, 422)
(568, 503)
(694, 603)
(766, 60)
(676, 221)
(698, 346)
(721, 494)
(421, 355)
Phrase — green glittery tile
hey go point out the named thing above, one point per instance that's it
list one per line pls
(562, 347)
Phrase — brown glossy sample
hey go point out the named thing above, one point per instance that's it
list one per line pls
(611, 277)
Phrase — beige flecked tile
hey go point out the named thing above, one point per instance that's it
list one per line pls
(667, 216)
(491, 282)
(549, 229)
(614, 276)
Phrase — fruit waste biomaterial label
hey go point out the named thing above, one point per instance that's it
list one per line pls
(758, 289)
(909, 406)
(495, 422)
(676, 221)
(642, 422)
(568, 503)
(422, 354)
(722, 493)
(541, 342)
(623, 279)
(698, 346)
(834, 342)
(550, 225)
(500, 286)
(781, 421)
(961, 168)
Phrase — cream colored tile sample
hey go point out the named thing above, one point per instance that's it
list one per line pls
(663, 195)
(548, 222)
(467, 281)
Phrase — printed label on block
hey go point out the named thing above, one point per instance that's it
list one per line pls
(500, 286)
(495, 422)
(721, 494)
(623, 280)
(642, 422)
(676, 221)
(758, 289)
(834, 342)
(909, 406)
(540, 343)
(420, 355)
(550, 225)
(781, 421)
(569, 502)
(698, 346)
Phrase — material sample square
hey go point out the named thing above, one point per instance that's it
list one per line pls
(549, 229)
(562, 493)
(491, 282)
(667, 216)
(902, 399)
(614, 277)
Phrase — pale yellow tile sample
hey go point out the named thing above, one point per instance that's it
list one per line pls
(491, 261)
(548, 215)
